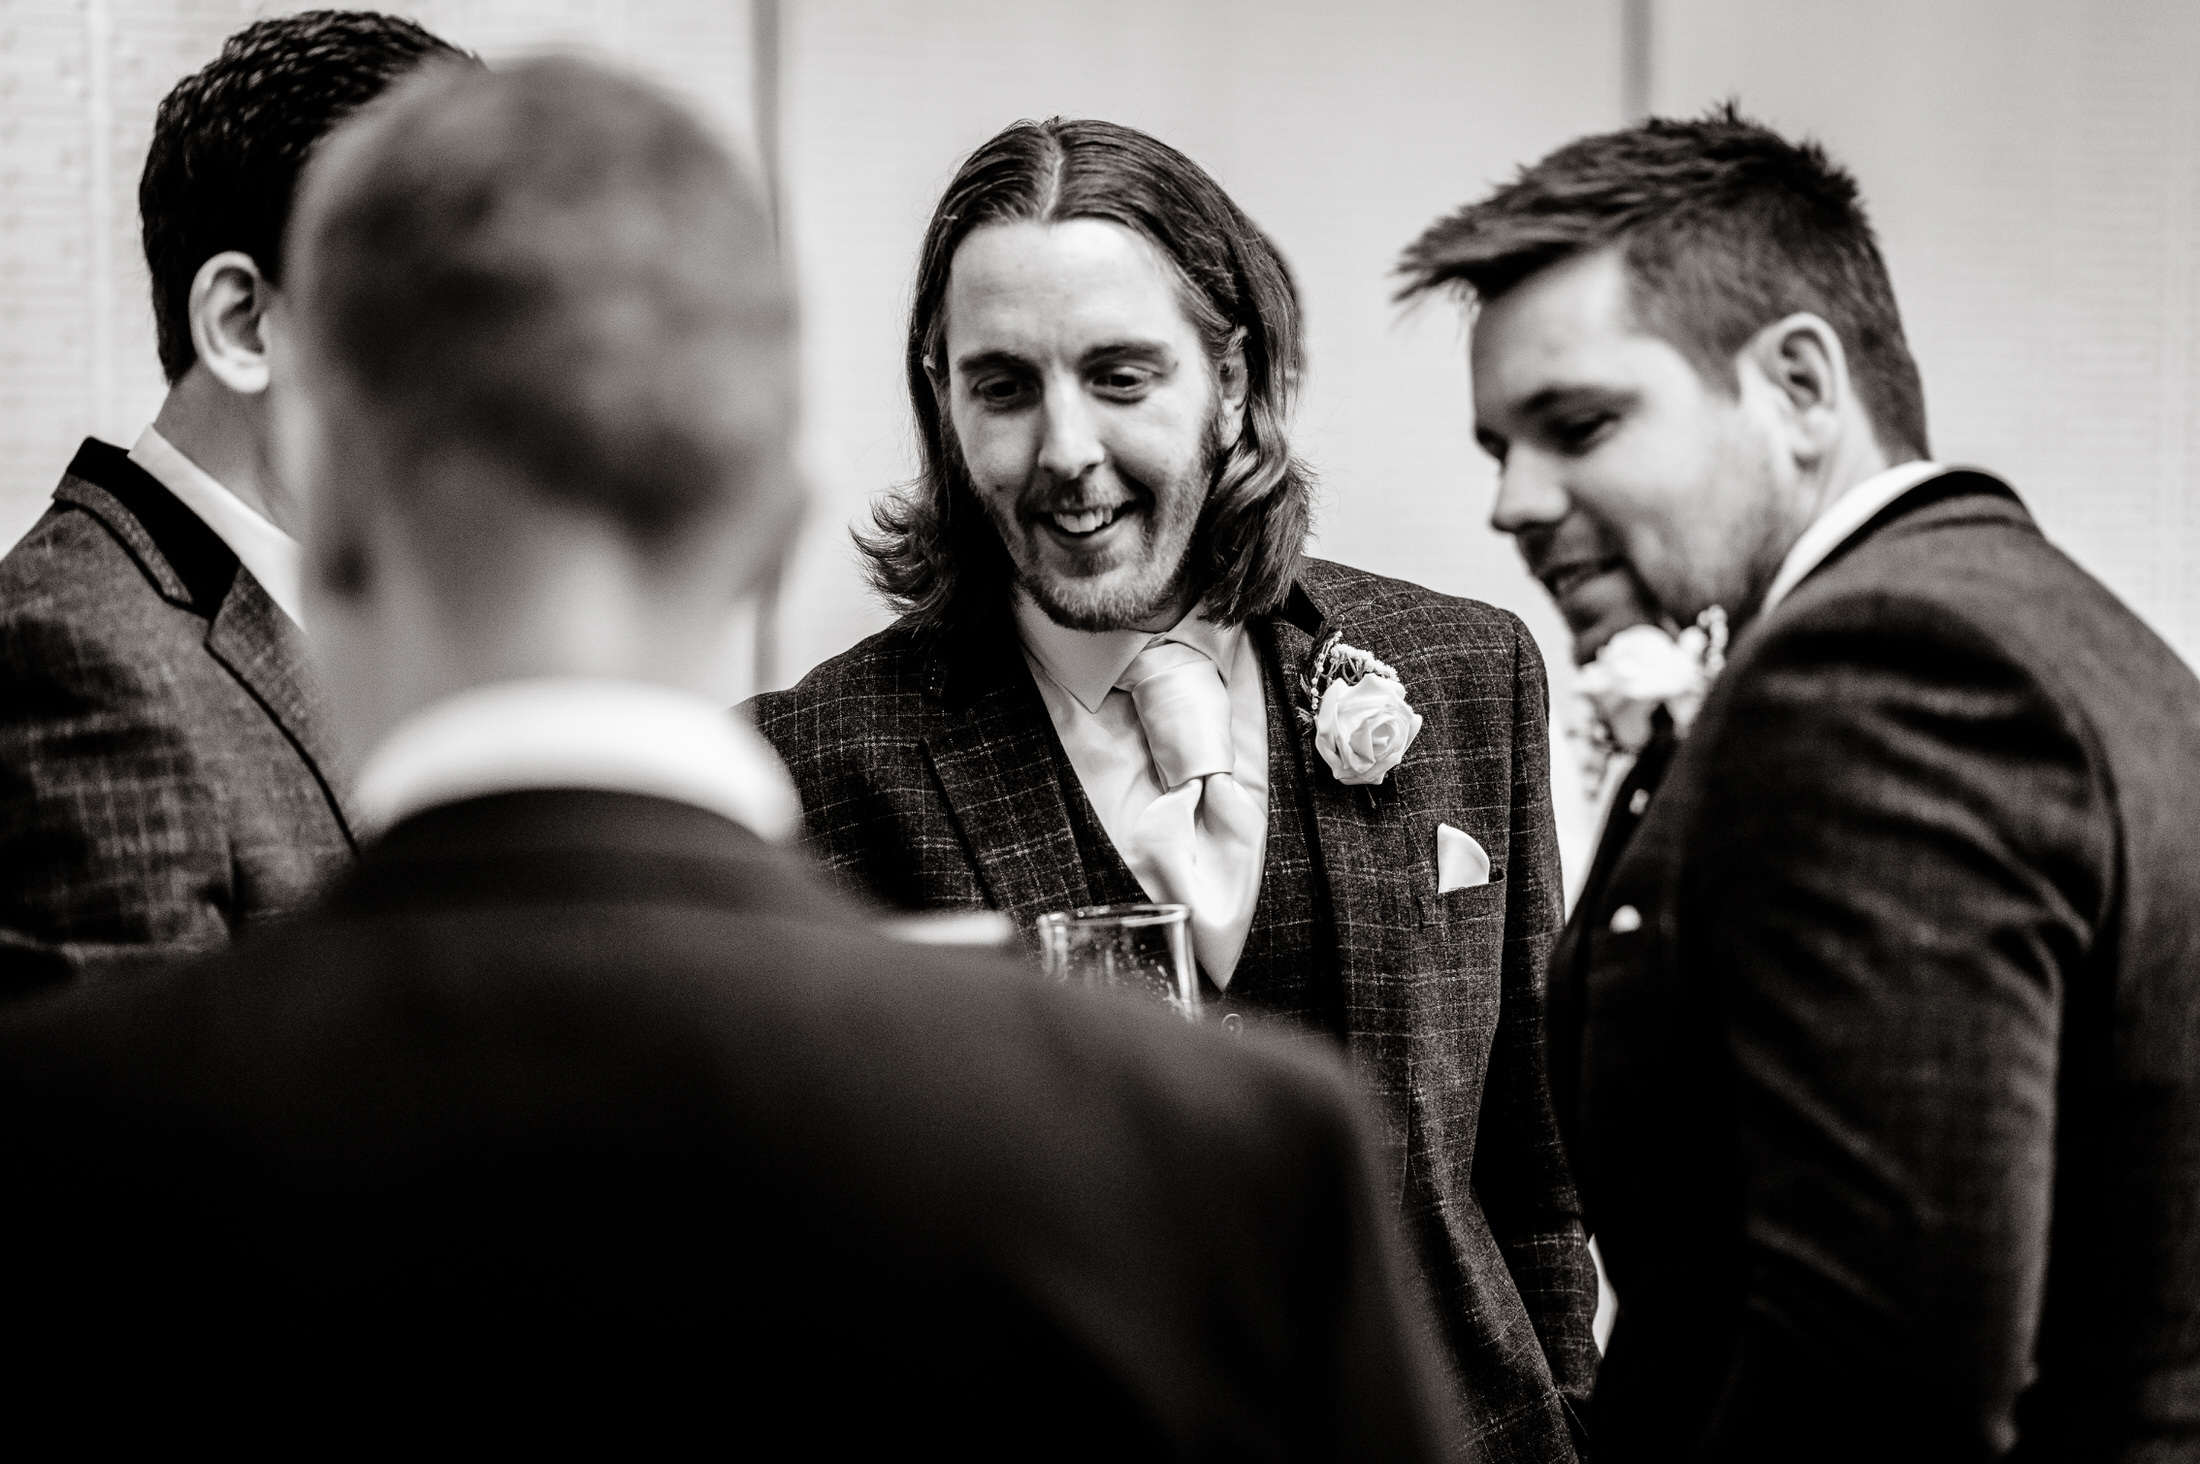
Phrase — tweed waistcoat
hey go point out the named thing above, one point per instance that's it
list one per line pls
(1287, 979)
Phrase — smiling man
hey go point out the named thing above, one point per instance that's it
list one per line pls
(1093, 696)
(1875, 1044)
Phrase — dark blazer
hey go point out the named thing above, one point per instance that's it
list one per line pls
(166, 776)
(583, 1115)
(1887, 1027)
(931, 777)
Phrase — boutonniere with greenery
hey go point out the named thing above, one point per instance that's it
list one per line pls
(1356, 711)
(1641, 669)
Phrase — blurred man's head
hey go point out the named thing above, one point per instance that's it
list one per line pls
(1101, 357)
(228, 145)
(1686, 346)
(545, 360)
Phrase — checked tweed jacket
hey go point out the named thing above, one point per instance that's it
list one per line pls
(929, 777)
(165, 769)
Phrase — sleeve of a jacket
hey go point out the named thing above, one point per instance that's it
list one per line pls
(111, 847)
(1904, 853)
(1520, 1171)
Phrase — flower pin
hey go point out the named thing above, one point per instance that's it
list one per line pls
(1640, 670)
(1357, 711)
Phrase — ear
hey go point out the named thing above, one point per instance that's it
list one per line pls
(229, 304)
(1232, 386)
(1801, 363)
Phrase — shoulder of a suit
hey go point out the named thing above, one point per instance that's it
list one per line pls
(1371, 605)
(77, 565)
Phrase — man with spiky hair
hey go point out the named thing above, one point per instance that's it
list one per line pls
(1874, 1034)
(166, 774)
(1117, 678)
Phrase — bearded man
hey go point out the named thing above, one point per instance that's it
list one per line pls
(1094, 692)
(1874, 1041)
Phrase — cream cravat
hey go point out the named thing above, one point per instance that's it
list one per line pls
(1199, 842)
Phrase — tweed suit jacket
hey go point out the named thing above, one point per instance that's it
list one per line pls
(1883, 1083)
(578, 1116)
(927, 770)
(166, 772)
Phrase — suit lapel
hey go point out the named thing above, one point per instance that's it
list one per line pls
(266, 652)
(1370, 883)
(994, 752)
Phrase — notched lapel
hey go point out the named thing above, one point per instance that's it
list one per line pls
(993, 751)
(266, 652)
(1370, 885)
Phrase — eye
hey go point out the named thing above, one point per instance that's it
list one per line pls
(1494, 445)
(1123, 380)
(1579, 433)
(998, 392)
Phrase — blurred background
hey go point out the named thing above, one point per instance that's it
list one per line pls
(2033, 165)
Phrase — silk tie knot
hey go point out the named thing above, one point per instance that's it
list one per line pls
(1185, 711)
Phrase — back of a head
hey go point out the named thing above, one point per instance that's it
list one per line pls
(1724, 227)
(553, 273)
(230, 140)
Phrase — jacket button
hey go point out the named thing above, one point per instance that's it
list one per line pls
(1626, 920)
(1639, 802)
(1233, 1023)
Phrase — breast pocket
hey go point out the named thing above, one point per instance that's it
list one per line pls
(1475, 903)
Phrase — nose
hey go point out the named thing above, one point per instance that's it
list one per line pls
(1069, 443)
(1529, 493)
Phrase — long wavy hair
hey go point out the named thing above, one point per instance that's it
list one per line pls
(933, 554)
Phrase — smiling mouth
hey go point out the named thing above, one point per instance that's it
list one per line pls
(1567, 578)
(1083, 523)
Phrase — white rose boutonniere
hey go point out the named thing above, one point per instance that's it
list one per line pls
(1357, 711)
(1640, 670)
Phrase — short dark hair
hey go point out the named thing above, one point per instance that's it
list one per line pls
(229, 141)
(555, 270)
(934, 552)
(1724, 227)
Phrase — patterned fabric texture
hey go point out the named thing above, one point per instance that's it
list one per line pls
(930, 779)
(165, 776)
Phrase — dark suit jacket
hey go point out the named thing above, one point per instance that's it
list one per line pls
(1888, 1025)
(928, 775)
(166, 778)
(589, 1116)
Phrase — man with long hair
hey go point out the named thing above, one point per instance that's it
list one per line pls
(1875, 1040)
(580, 1114)
(167, 776)
(1116, 677)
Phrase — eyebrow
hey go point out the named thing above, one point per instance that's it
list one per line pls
(1551, 398)
(1155, 352)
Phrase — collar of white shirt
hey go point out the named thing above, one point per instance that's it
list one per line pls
(1088, 663)
(571, 732)
(267, 551)
(1841, 518)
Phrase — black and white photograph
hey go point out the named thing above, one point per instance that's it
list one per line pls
(1209, 730)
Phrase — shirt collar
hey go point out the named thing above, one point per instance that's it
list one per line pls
(260, 547)
(1841, 518)
(572, 732)
(1088, 663)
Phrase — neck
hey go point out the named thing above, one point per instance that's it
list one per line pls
(226, 435)
(1857, 457)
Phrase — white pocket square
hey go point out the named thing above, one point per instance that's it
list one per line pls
(1460, 862)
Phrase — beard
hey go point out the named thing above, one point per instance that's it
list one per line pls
(1160, 580)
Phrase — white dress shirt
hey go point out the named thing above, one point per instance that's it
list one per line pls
(572, 732)
(1076, 671)
(1841, 518)
(267, 551)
